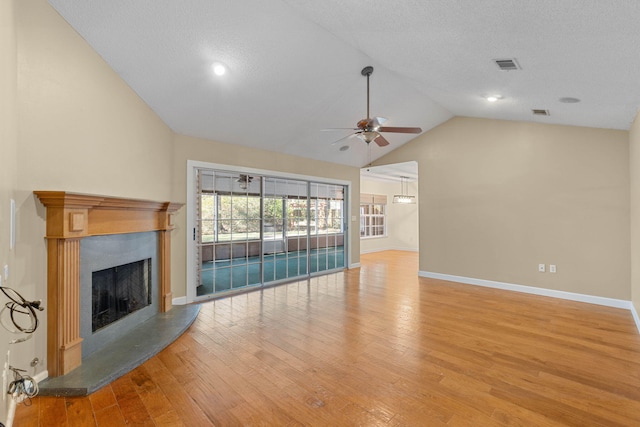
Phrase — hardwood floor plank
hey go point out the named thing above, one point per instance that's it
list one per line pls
(131, 406)
(181, 399)
(208, 396)
(379, 346)
(102, 398)
(52, 409)
(169, 419)
(79, 412)
(27, 414)
(553, 409)
(109, 416)
(153, 398)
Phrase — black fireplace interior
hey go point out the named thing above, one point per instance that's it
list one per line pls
(119, 291)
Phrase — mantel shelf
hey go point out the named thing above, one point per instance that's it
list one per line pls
(81, 215)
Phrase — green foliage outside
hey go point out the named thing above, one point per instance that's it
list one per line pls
(238, 217)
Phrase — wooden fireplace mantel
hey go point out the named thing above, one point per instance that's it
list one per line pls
(71, 217)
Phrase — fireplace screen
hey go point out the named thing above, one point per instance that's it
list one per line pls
(119, 291)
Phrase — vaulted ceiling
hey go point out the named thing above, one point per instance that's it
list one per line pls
(293, 66)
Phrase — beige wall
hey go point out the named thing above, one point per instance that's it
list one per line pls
(499, 197)
(634, 163)
(8, 171)
(80, 129)
(402, 220)
(189, 148)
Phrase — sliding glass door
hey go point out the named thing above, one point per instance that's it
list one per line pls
(228, 232)
(326, 239)
(285, 229)
(252, 230)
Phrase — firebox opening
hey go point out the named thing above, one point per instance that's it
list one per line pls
(119, 291)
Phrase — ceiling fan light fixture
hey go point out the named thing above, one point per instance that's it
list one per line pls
(368, 136)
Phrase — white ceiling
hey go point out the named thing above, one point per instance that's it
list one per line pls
(294, 65)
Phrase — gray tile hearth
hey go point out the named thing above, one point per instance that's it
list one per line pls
(123, 355)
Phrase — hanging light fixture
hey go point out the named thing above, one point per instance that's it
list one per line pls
(404, 197)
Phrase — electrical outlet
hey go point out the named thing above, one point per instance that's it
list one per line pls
(541, 268)
(552, 268)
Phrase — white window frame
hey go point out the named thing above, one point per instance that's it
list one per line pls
(364, 228)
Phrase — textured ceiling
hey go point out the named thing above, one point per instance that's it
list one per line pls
(294, 65)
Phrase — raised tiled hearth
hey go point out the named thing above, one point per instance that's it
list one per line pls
(124, 355)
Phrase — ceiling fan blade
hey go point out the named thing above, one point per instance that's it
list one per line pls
(342, 139)
(333, 129)
(399, 129)
(381, 141)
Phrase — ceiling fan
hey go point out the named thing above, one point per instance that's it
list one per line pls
(369, 129)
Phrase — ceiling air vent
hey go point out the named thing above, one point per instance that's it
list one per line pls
(507, 64)
(540, 112)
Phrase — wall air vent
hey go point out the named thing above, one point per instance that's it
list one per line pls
(509, 64)
(540, 112)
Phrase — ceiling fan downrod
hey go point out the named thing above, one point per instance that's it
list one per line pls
(367, 71)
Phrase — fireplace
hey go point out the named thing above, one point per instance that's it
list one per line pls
(74, 222)
(119, 291)
(118, 275)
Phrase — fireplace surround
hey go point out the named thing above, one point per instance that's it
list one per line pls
(71, 217)
(109, 266)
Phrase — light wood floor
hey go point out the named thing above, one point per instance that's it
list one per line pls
(378, 346)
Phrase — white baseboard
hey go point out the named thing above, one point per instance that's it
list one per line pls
(179, 301)
(634, 313)
(41, 376)
(354, 265)
(609, 302)
(406, 249)
(370, 251)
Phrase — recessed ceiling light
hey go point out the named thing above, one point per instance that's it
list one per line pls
(219, 69)
(344, 148)
(493, 98)
(569, 100)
